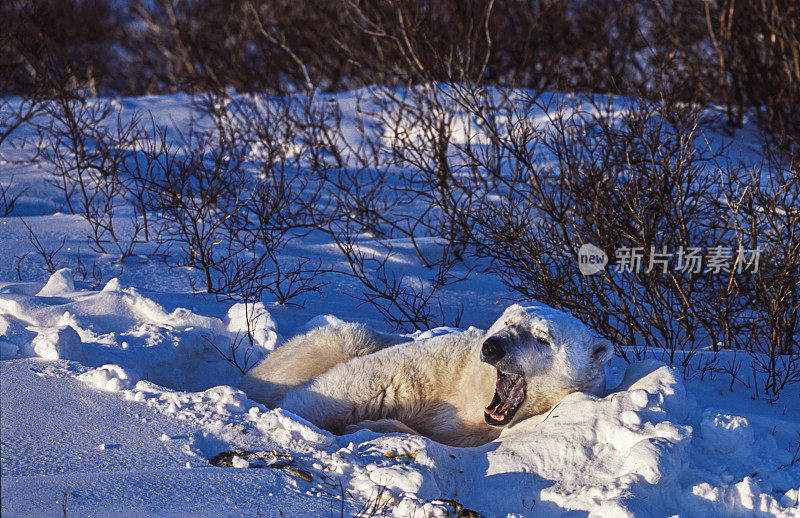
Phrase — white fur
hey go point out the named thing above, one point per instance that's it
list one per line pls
(348, 376)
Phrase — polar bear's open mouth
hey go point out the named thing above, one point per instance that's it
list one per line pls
(508, 395)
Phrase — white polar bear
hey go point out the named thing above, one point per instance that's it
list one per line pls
(459, 389)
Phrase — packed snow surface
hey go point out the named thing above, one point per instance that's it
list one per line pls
(83, 414)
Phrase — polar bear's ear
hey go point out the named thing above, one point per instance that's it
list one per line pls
(512, 308)
(602, 351)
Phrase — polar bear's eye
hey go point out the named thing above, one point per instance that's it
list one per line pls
(542, 340)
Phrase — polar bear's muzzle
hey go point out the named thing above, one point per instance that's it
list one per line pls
(509, 393)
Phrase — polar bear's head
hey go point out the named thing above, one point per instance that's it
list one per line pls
(540, 354)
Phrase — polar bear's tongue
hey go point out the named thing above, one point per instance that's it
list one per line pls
(509, 393)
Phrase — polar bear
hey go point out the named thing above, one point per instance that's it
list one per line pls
(460, 389)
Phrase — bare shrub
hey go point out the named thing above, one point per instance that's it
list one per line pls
(52, 44)
(194, 191)
(190, 45)
(250, 46)
(93, 274)
(241, 348)
(9, 197)
(311, 177)
(86, 147)
(743, 55)
(260, 268)
(231, 196)
(513, 183)
(406, 301)
(759, 59)
(630, 176)
(390, 182)
(419, 134)
(278, 140)
(15, 112)
(49, 256)
(763, 211)
(608, 179)
(146, 47)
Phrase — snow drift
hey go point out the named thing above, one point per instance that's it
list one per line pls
(651, 447)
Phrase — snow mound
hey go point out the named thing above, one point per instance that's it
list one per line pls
(59, 283)
(112, 378)
(112, 285)
(125, 327)
(60, 342)
(256, 319)
(632, 453)
(436, 331)
(727, 434)
(320, 321)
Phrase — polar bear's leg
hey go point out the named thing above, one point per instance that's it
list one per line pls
(309, 355)
(381, 426)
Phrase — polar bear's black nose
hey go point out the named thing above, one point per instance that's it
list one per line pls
(492, 350)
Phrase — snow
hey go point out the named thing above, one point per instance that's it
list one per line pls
(112, 378)
(57, 342)
(634, 452)
(60, 283)
(261, 325)
(114, 401)
(727, 434)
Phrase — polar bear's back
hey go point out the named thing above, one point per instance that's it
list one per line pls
(399, 382)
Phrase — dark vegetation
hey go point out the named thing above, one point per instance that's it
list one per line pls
(509, 194)
(743, 56)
